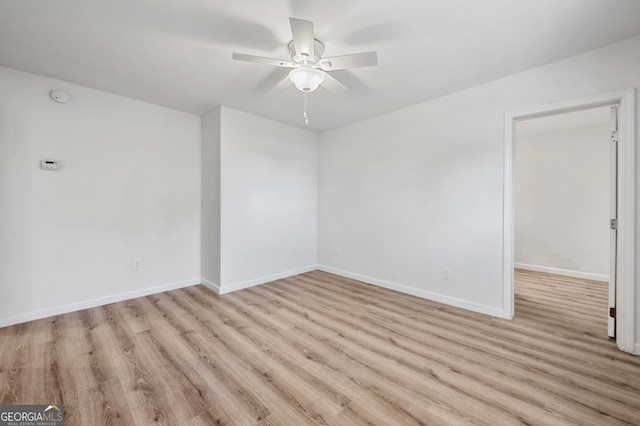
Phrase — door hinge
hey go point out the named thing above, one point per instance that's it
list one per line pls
(612, 312)
(614, 223)
(614, 136)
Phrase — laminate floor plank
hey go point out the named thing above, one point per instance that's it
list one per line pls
(400, 373)
(267, 374)
(559, 357)
(340, 372)
(321, 349)
(308, 391)
(339, 389)
(523, 393)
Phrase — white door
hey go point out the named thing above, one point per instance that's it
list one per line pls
(613, 232)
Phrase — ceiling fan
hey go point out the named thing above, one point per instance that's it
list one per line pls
(309, 69)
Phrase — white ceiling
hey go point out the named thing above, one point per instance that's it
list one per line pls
(177, 53)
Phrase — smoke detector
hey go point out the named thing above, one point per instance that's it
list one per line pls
(60, 96)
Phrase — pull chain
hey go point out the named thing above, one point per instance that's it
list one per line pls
(306, 108)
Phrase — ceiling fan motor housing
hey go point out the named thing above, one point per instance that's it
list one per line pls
(318, 48)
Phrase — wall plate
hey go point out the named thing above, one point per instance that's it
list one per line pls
(50, 165)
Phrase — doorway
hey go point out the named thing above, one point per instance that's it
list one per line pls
(565, 195)
(623, 296)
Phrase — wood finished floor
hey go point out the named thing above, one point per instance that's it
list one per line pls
(320, 349)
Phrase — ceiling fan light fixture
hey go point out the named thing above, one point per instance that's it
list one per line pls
(306, 78)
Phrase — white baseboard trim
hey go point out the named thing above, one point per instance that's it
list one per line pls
(636, 350)
(564, 272)
(436, 297)
(210, 284)
(92, 303)
(266, 279)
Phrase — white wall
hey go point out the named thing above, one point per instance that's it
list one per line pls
(562, 200)
(401, 195)
(210, 218)
(129, 187)
(409, 192)
(268, 198)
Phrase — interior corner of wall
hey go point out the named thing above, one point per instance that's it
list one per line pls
(211, 284)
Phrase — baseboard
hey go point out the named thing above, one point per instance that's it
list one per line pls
(92, 303)
(265, 279)
(210, 284)
(636, 350)
(564, 272)
(436, 297)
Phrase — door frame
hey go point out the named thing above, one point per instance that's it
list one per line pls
(625, 259)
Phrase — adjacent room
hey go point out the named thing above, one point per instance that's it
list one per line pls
(296, 212)
(565, 196)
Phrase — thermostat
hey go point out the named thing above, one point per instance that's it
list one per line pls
(49, 165)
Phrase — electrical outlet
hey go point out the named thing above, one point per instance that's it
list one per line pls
(339, 253)
(137, 263)
(446, 273)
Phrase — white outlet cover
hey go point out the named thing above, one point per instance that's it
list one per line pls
(446, 273)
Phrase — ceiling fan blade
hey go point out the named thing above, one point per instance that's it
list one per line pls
(367, 59)
(262, 60)
(283, 84)
(272, 78)
(332, 84)
(302, 32)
